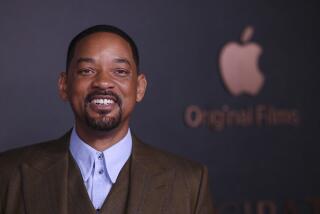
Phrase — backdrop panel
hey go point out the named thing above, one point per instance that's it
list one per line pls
(232, 84)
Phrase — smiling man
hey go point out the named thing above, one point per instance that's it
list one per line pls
(100, 166)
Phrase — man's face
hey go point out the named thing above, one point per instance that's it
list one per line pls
(102, 84)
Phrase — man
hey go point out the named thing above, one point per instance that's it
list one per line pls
(100, 166)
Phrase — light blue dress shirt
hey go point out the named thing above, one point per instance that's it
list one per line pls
(100, 170)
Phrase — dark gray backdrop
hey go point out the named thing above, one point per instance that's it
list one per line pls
(179, 43)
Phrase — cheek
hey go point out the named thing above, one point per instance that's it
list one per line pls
(77, 92)
(128, 88)
(129, 94)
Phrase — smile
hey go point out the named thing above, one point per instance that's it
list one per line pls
(102, 101)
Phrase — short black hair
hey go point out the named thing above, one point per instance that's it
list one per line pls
(97, 29)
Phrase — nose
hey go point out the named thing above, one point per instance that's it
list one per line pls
(103, 80)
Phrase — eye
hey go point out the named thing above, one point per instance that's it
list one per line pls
(122, 72)
(85, 71)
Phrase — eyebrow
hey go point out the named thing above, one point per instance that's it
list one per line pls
(85, 59)
(116, 60)
(122, 60)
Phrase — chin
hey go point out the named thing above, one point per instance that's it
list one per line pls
(103, 124)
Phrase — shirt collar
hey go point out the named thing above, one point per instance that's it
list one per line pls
(114, 157)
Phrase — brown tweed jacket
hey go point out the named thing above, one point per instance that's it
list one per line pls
(35, 180)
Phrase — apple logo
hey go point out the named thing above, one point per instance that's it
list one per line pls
(239, 65)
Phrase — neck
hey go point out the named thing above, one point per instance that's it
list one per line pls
(101, 140)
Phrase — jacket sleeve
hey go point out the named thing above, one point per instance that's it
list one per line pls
(9, 162)
(3, 189)
(1, 196)
(204, 200)
(3, 186)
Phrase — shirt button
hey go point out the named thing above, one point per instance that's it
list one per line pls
(100, 156)
(100, 171)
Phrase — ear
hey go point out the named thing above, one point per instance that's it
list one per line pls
(63, 86)
(141, 87)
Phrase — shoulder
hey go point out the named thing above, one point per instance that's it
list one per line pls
(188, 178)
(12, 159)
(165, 159)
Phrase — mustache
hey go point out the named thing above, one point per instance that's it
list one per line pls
(109, 94)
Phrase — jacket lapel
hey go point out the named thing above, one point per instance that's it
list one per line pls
(150, 181)
(44, 178)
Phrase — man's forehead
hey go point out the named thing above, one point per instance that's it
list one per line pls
(102, 38)
(93, 44)
(103, 48)
(101, 41)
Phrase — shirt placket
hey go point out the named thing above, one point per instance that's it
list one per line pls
(100, 181)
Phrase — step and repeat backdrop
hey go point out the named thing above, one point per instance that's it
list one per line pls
(232, 84)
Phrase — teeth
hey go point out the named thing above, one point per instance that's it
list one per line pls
(102, 101)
